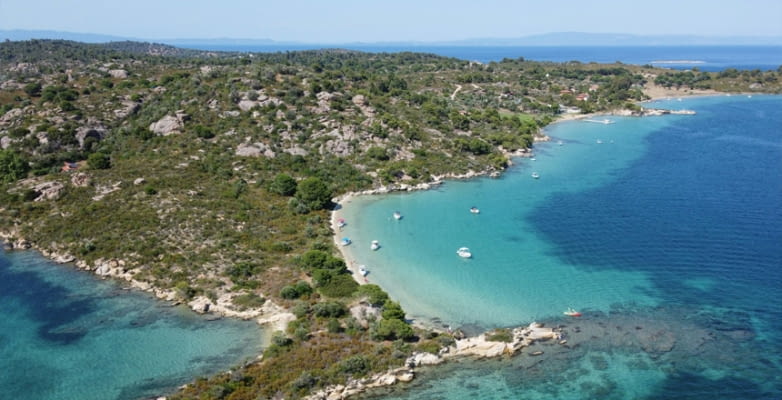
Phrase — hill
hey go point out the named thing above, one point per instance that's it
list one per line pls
(207, 177)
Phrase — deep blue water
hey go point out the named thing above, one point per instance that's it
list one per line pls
(667, 233)
(65, 334)
(707, 58)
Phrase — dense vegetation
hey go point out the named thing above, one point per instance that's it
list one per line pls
(212, 174)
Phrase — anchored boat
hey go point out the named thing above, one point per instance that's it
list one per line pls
(464, 252)
(572, 313)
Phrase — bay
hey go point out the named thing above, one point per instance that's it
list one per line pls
(663, 231)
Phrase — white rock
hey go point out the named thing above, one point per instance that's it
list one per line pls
(406, 376)
(247, 105)
(80, 179)
(48, 190)
(118, 73)
(166, 126)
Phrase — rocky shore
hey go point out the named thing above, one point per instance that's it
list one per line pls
(269, 315)
(479, 347)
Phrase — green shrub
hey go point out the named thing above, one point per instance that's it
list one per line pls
(99, 161)
(283, 185)
(374, 294)
(329, 309)
(391, 329)
(392, 310)
(334, 326)
(500, 335)
(341, 285)
(429, 346)
(355, 365)
(314, 193)
(12, 166)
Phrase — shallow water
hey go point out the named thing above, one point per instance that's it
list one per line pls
(672, 221)
(68, 335)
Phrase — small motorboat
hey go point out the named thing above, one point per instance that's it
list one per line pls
(464, 252)
(535, 175)
(397, 215)
(362, 269)
(475, 210)
(599, 141)
(375, 245)
(345, 241)
(341, 223)
(572, 313)
(533, 159)
(559, 143)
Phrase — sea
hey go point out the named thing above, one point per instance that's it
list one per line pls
(705, 58)
(666, 235)
(664, 232)
(67, 335)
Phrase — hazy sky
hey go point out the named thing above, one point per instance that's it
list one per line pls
(330, 21)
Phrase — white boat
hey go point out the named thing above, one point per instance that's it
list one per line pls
(599, 141)
(346, 241)
(464, 252)
(397, 215)
(375, 245)
(341, 223)
(535, 175)
(362, 269)
(572, 313)
(560, 143)
(532, 159)
(475, 210)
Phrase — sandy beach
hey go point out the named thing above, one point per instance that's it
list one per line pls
(336, 215)
(655, 92)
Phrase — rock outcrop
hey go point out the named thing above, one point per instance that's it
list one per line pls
(97, 132)
(80, 179)
(169, 124)
(477, 347)
(48, 190)
(118, 73)
(254, 150)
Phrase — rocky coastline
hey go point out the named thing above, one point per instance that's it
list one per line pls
(270, 315)
(480, 346)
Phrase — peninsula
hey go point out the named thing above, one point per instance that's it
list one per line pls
(207, 178)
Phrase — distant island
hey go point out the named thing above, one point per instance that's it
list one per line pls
(549, 39)
(208, 178)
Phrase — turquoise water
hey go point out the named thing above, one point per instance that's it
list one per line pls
(67, 335)
(666, 232)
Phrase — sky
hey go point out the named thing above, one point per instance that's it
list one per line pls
(342, 21)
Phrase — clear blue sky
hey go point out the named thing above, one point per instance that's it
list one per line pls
(335, 21)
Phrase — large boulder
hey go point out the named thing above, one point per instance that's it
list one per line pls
(5, 142)
(168, 125)
(48, 190)
(247, 105)
(128, 108)
(118, 73)
(254, 150)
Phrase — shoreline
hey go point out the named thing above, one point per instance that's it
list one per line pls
(270, 317)
(346, 198)
(274, 316)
